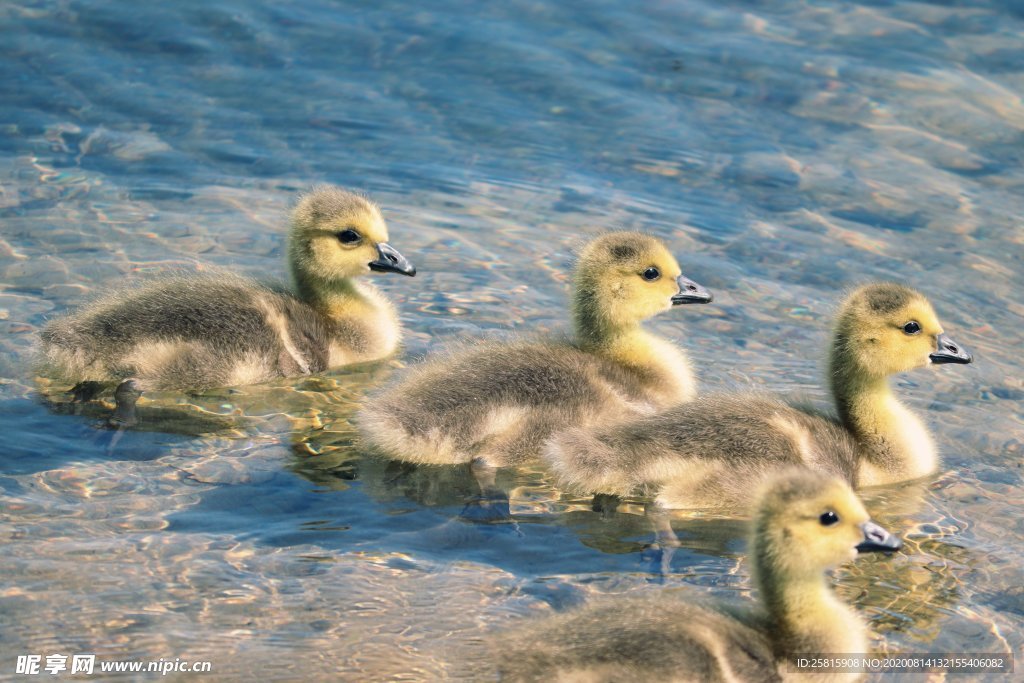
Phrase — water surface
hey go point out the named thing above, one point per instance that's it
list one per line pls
(784, 150)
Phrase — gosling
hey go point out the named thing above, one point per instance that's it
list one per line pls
(203, 331)
(709, 453)
(494, 405)
(805, 523)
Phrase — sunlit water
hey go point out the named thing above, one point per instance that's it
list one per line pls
(785, 151)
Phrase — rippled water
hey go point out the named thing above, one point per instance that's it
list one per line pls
(785, 150)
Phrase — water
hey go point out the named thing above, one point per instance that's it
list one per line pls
(784, 150)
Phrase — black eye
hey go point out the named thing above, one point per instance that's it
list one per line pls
(651, 274)
(349, 236)
(828, 518)
(912, 327)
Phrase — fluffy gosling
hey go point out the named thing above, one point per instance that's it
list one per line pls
(202, 331)
(495, 404)
(805, 524)
(709, 452)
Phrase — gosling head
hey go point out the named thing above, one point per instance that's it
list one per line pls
(623, 278)
(807, 522)
(336, 234)
(885, 328)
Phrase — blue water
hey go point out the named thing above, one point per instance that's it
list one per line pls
(784, 150)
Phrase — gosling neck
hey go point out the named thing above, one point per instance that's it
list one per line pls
(596, 332)
(805, 616)
(626, 343)
(662, 366)
(895, 444)
(333, 298)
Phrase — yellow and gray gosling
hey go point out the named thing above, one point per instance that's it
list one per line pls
(203, 331)
(805, 523)
(495, 405)
(709, 452)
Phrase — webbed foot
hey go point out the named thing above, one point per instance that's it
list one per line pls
(658, 555)
(491, 505)
(657, 558)
(125, 397)
(83, 392)
(605, 503)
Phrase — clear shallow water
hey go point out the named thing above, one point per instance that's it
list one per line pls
(784, 150)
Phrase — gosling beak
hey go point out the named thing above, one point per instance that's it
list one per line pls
(690, 293)
(949, 352)
(390, 261)
(876, 538)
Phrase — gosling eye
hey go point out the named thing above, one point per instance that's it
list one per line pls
(913, 327)
(349, 236)
(651, 274)
(828, 518)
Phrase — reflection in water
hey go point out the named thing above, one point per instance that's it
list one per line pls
(186, 419)
(784, 151)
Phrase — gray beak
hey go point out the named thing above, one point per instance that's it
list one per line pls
(949, 352)
(877, 539)
(390, 261)
(690, 293)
